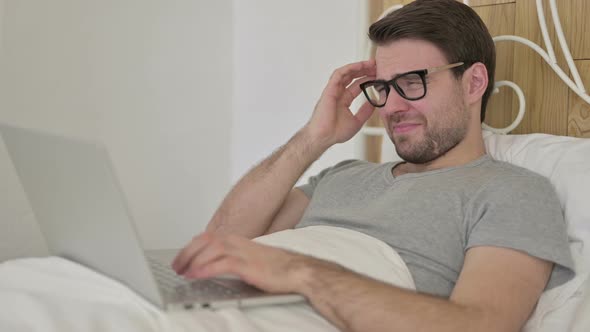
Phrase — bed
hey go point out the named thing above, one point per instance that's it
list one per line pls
(536, 130)
(54, 294)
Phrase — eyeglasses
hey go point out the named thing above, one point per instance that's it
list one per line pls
(410, 85)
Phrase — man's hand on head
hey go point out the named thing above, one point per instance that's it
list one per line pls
(332, 121)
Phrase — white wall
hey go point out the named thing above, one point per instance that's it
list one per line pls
(284, 54)
(1, 22)
(19, 234)
(151, 79)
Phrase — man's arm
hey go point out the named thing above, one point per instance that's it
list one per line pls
(290, 213)
(496, 290)
(266, 191)
(251, 206)
(263, 200)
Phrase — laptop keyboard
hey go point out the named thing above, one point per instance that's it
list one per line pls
(203, 288)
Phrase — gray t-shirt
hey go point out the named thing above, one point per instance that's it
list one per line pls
(432, 218)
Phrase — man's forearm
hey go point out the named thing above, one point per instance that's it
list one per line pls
(249, 208)
(354, 302)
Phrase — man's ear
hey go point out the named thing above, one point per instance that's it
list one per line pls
(475, 82)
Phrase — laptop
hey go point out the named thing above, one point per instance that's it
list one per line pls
(83, 215)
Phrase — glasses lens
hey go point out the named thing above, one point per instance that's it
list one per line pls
(376, 93)
(411, 85)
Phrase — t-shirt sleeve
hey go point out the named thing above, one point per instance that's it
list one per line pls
(522, 213)
(312, 182)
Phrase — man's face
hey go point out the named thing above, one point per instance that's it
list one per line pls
(425, 129)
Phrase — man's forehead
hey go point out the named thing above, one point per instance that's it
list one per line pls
(406, 55)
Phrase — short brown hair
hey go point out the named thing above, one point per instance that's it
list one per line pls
(453, 27)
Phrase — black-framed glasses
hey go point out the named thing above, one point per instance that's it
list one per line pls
(410, 85)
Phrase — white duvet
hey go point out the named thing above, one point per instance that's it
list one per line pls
(53, 294)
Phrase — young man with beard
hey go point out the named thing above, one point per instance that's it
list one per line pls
(481, 238)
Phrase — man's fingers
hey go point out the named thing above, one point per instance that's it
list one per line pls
(205, 248)
(183, 259)
(222, 265)
(208, 254)
(364, 112)
(354, 89)
(355, 69)
(343, 76)
(349, 77)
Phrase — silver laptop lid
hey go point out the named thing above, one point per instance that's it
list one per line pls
(79, 205)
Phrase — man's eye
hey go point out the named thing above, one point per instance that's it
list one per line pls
(380, 88)
(414, 83)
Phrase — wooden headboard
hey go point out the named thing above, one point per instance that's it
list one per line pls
(551, 107)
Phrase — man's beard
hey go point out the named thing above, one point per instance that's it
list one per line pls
(436, 141)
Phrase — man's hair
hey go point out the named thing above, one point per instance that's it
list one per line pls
(453, 27)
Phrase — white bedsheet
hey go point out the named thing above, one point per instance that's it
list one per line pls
(53, 294)
(559, 308)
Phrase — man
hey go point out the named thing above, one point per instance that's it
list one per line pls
(481, 238)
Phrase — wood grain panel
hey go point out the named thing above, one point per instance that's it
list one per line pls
(389, 3)
(472, 3)
(500, 21)
(373, 148)
(476, 3)
(545, 93)
(576, 28)
(376, 8)
(579, 116)
(372, 144)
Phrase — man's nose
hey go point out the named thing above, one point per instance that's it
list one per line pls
(394, 104)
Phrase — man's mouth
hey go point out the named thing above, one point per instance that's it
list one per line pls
(402, 128)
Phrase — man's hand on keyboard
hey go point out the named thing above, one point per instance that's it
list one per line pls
(268, 268)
